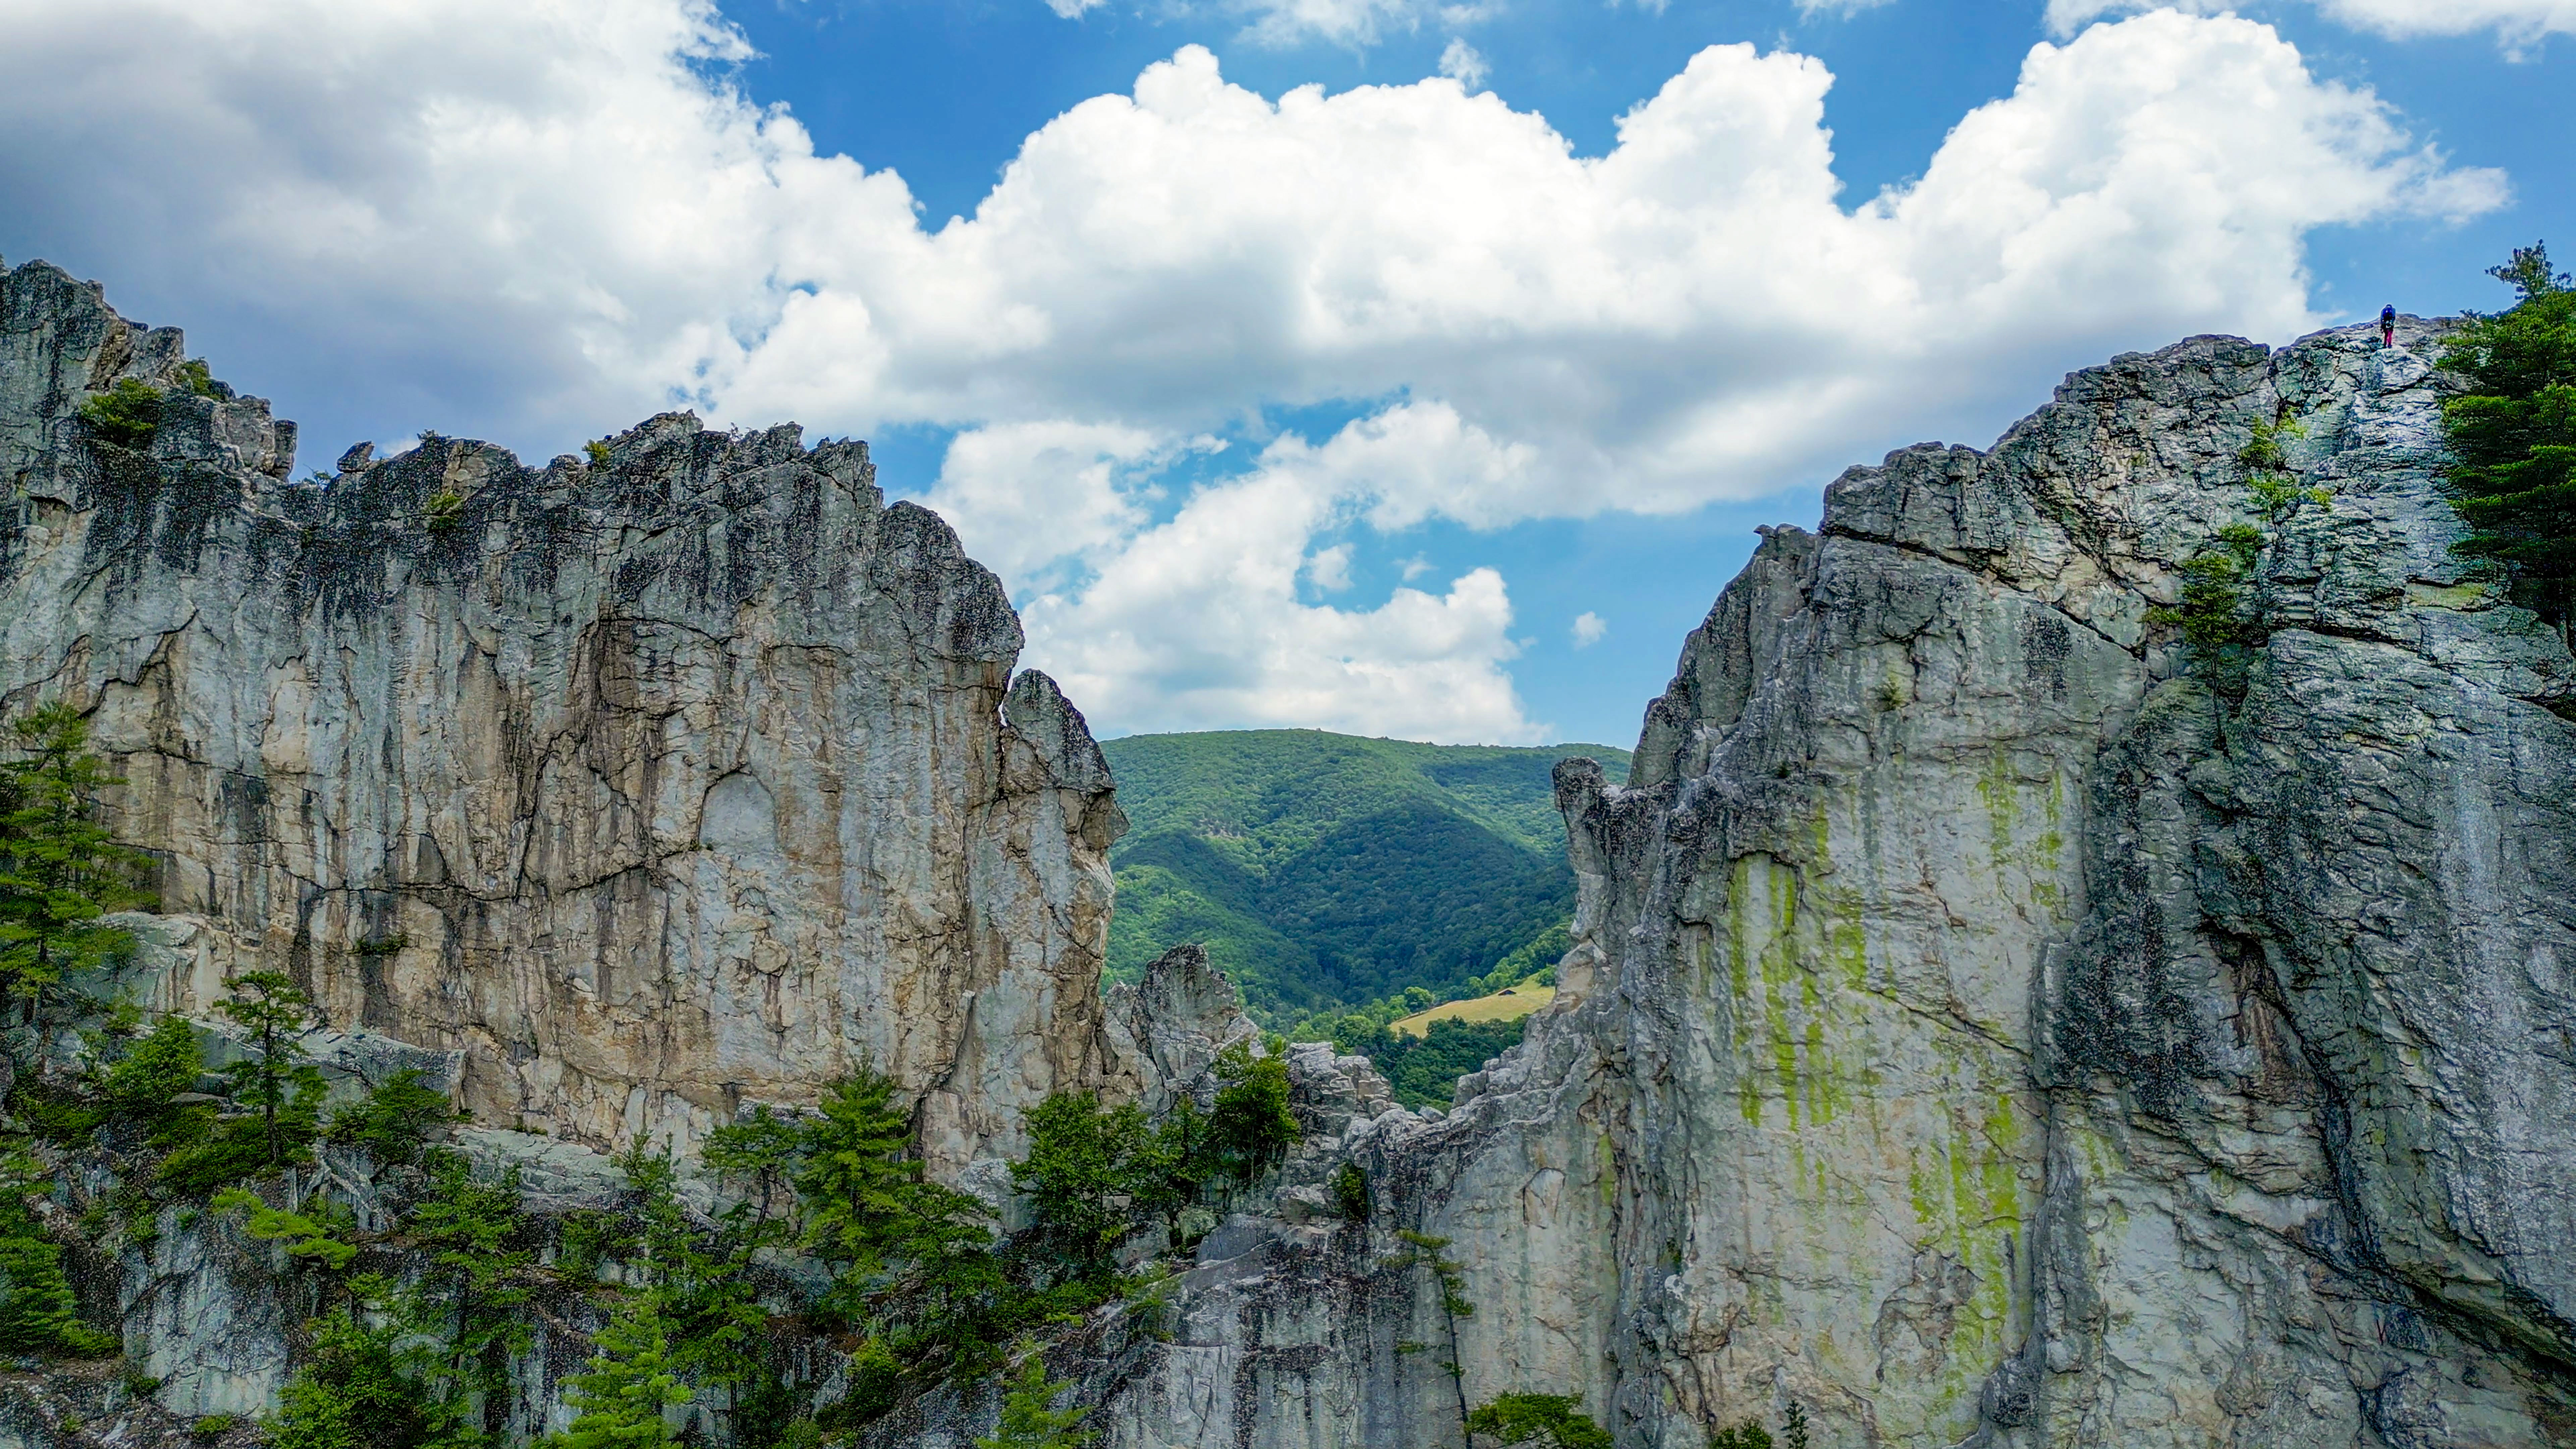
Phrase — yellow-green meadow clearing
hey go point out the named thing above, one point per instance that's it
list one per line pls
(1508, 1004)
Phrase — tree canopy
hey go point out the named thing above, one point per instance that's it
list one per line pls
(59, 870)
(2512, 434)
(1322, 871)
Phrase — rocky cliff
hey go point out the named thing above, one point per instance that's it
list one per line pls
(1992, 1019)
(656, 782)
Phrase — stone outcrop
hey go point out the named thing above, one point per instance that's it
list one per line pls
(1171, 1024)
(654, 783)
(1990, 1022)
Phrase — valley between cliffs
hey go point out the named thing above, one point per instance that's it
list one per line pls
(1988, 1022)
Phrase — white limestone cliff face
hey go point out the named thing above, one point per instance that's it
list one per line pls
(1985, 1024)
(656, 786)
(1980, 1029)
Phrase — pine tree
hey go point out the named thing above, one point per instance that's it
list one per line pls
(2513, 434)
(628, 1384)
(357, 1390)
(854, 1177)
(1029, 1418)
(476, 1282)
(1551, 1420)
(164, 1064)
(268, 1005)
(762, 1154)
(1427, 1251)
(59, 871)
(38, 1313)
(1083, 1175)
(705, 1295)
(1793, 1429)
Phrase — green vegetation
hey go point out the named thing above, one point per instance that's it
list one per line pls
(468, 1300)
(1324, 871)
(2212, 613)
(924, 1289)
(1097, 1175)
(622, 1395)
(209, 1152)
(1751, 1435)
(1424, 1070)
(596, 450)
(358, 1389)
(126, 415)
(268, 1006)
(37, 1311)
(1084, 1165)
(1548, 1419)
(59, 872)
(2276, 491)
(311, 1238)
(1030, 1419)
(1351, 1191)
(196, 377)
(1422, 1250)
(1251, 1127)
(443, 510)
(394, 1121)
(2513, 433)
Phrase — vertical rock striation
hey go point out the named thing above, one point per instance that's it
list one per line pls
(689, 775)
(1988, 1022)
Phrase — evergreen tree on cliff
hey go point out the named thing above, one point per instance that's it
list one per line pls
(2514, 434)
(628, 1383)
(59, 872)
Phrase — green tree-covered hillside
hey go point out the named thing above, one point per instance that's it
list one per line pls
(1324, 870)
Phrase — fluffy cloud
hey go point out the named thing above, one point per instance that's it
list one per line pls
(545, 216)
(1588, 629)
(2516, 22)
(1199, 625)
(1037, 494)
(1462, 63)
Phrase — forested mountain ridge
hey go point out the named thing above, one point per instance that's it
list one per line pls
(1326, 870)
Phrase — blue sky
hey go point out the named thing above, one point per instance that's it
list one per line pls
(1337, 407)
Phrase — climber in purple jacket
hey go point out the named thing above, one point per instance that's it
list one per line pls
(2388, 325)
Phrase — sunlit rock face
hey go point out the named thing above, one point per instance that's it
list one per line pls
(657, 782)
(1989, 1022)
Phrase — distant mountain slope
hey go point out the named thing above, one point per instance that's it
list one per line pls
(1324, 869)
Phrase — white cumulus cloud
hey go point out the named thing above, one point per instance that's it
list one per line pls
(2516, 22)
(1037, 493)
(1199, 626)
(544, 216)
(1588, 629)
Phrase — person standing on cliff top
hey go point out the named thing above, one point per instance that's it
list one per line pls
(2388, 325)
